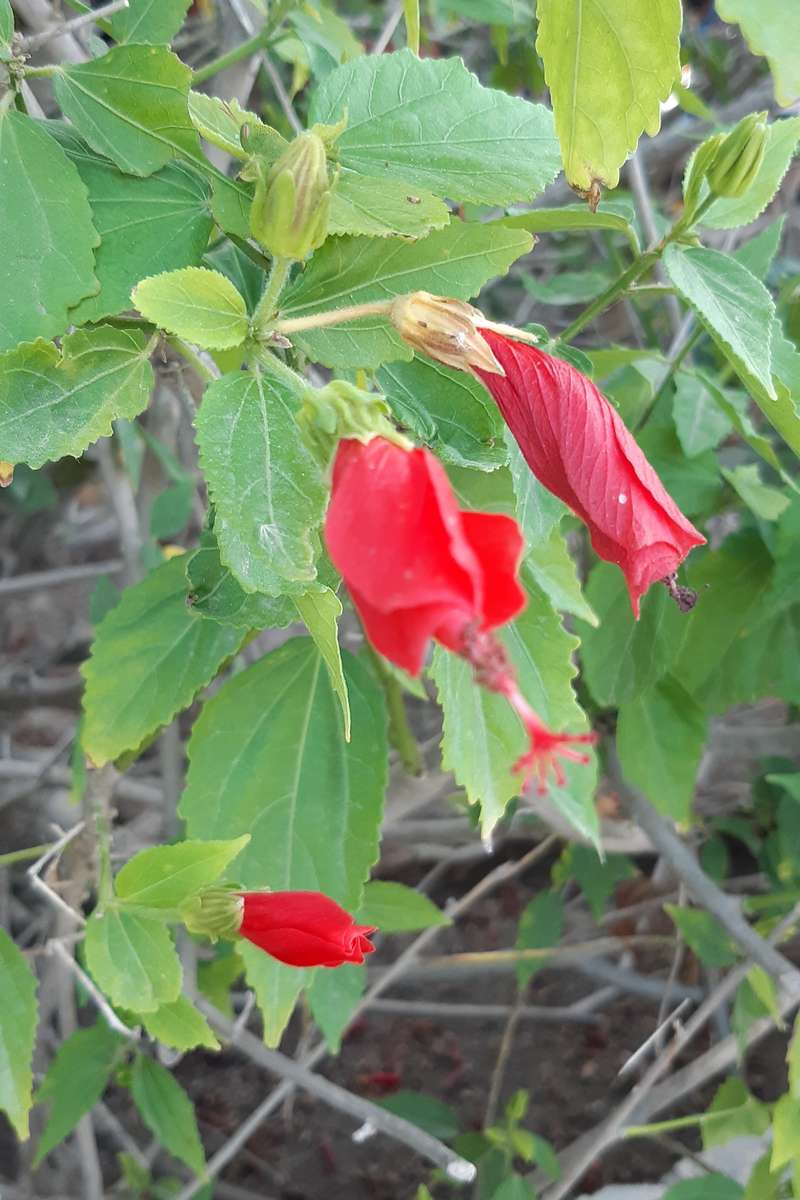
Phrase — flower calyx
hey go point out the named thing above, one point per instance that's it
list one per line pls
(215, 912)
(342, 410)
(446, 330)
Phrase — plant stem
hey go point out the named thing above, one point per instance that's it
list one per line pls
(613, 292)
(15, 856)
(268, 304)
(639, 267)
(251, 46)
(254, 255)
(89, 16)
(46, 72)
(193, 358)
(335, 316)
(400, 734)
(98, 806)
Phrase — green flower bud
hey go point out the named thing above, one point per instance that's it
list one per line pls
(739, 157)
(290, 210)
(215, 912)
(340, 409)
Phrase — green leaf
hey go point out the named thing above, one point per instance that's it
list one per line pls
(785, 415)
(197, 304)
(215, 593)
(733, 306)
(540, 926)
(320, 612)
(577, 217)
(660, 737)
(180, 1025)
(564, 288)
(153, 22)
(47, 263)
(699, 421)
(762, 1184)
(735, 405)
(264, 482)
(172, 508)
(146, 225)
(758, 252)
(241, 270)
(344, 271)
(18, 1017)
(596, 877)
(515, 1187)
(704, 935)
(624, 657)
(6, 28)
(608, 67)
(782, 138)
(55, 403)
(220, 122)
(764, 987)
(75, 1081)
(538, 511)
(785, 1132)
(428, 1113)
(267, 757)
(766, 502)
(395, 908)
(133, 960)
(167, 1112)
(131, 106)
(770, 28)
(734, 1112)
(276, 988)
(431, 124)
(554, 570)
(333, 997)
(451, 411)
(216, 978)
(384, 208)
(167, 876)
(730, 583)
(482, 738)
(709, 1187)
(151, 647)
(323, 39)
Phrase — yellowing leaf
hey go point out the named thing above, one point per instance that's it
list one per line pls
(608, 64)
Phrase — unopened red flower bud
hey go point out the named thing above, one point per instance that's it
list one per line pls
(303, 929)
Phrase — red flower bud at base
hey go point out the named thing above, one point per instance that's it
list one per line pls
(494, 672)
(579, 449)
(303, 929)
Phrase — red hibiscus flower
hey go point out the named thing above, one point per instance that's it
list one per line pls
(577, 446)
(417, 567)
(303, 929)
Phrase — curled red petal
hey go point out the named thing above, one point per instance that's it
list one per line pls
(580, 449)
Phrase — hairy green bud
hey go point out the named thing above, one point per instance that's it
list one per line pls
(289, 216)
(739, 157)
(342, 410)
